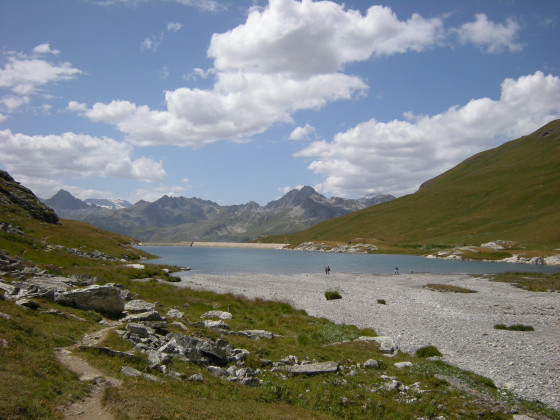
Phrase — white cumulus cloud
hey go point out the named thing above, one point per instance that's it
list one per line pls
(74, 155)
(302, 133)
(397, 156)
(493, 37)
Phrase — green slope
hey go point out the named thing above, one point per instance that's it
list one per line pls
(510, 193)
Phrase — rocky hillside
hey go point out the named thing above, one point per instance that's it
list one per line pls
(176, 219)
(16, 196)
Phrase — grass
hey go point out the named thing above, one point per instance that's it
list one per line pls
(516, 327)
(332, 294)
(535, 282)
(448, 288)
(33, 383)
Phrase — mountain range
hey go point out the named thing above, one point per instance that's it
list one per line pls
(179, 219)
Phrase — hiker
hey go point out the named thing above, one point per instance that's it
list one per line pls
(328, 269)
(396, 270)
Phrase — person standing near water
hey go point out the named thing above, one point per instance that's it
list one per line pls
(396, 270)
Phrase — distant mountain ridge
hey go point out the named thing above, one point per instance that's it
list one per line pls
(178, 219)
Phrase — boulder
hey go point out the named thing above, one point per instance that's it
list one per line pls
(174, 313)
(401, 365)
(311, 368)
(217, 314)
(140, 329)
(196, 378)
(386, 345)
(151, 319)
(138, 306)
(257, 334)
(371, 363)
(104, 299)
(27, 303)
(215, 324)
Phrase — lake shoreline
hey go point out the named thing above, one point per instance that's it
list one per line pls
(195, 244)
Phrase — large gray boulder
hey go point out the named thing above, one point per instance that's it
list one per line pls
(106, 299)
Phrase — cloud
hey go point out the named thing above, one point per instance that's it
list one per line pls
(302, 133)
(203, 5)
(318, 37)
(74, 155)
(493, 37)
(240, 105)
(174, 27)
(152, 42)
(397, 156)
(45, 49)
(26, 75)
(287, 57)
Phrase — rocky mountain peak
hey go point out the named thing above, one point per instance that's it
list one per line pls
(64, 200)
(13, 193)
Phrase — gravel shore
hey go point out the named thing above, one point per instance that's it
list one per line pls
(460, 325)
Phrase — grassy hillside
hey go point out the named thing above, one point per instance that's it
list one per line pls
(507, 193)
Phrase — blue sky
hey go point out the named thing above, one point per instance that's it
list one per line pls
(243, 100)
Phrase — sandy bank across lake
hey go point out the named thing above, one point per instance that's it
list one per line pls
(217, 245)
(460, 325)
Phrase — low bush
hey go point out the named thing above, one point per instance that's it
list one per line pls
(448, 288)
(517, 327)
(381, 301)
(332, 294)
(428, 351)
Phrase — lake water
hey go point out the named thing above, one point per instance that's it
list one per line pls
(272, 261)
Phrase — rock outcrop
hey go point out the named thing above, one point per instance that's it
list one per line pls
(14, 194)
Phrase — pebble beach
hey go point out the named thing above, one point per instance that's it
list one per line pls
(460, 325)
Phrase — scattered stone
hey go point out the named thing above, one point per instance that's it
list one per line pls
(198, 378)
(27, 303)
(371, 363)
(217, 371)
(215, 324)
(174, 313)
(386, 345)
(151, 319)
(137, 306)
(136, 266)
(180, 325)
(128, 371)
(217, 314)
(255, 334)
(401, 365)
(309, 369)
(5, 316)
(140, 329)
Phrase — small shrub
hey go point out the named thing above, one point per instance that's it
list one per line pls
(381, 301)
(332, 294)
(517, 327)
(447, 288)
(428, 351)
